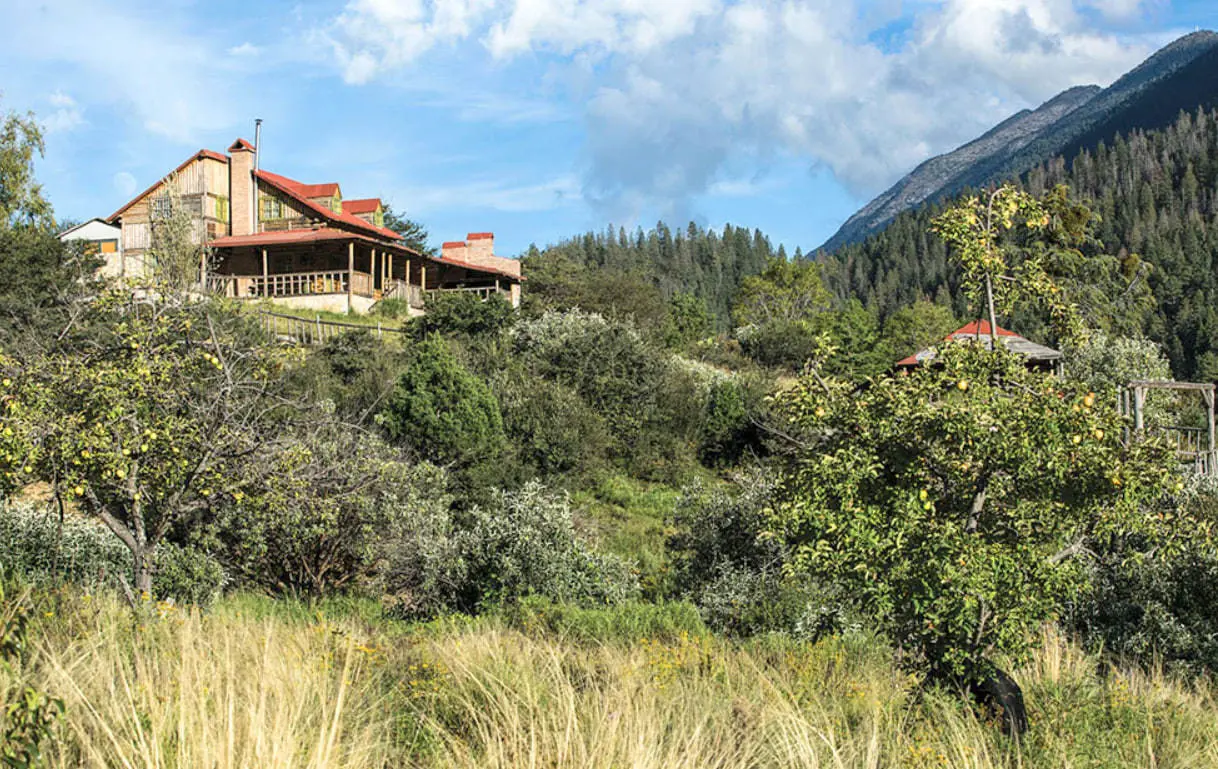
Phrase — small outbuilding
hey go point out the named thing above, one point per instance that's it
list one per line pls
(1037, 356)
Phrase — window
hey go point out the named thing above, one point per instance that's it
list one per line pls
(272, 208)
(378, 218)
(336, 203)
(222, 209)
(108, 246)
(162, 206)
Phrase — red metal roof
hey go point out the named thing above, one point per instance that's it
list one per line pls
(292, 188)
(981, 329)
(978, 327)
(197, 156)
(325, 190)
(279, 237)
(363, 206)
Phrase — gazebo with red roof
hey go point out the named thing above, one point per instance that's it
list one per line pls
(1037, 355)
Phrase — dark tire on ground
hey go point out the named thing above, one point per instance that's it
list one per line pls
(1000, 695)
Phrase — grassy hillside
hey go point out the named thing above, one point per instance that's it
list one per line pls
(256, 682)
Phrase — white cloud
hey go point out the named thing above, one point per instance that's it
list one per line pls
(65, 115)
(675, 90)
(245, 49)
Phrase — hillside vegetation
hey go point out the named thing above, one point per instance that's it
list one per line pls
(1155, 197)
(664, 516)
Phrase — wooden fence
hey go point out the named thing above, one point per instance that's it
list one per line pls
(292, 329)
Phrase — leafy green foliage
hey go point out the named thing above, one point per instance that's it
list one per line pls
(951, 499)
(609, 364)
(148, 427)
(524, 543)
(21, 200)
(462, 312)
(688, 320)
(550, 429)
(912, 329)
(45, 278)
(327, 512)
(441, 410)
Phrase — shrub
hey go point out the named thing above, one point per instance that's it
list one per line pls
(524, 543)
(1155, 604)
(392, 308)
(463, 312)
(441, 410)
(187, 574)
(37, 545)
(725, 563)
(82, 551)
(647, 403)
(551, 429)
(420, 567)
(322, 525)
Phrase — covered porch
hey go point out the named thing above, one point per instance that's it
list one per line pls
(335, 271)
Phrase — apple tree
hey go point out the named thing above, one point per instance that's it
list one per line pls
(160, 411)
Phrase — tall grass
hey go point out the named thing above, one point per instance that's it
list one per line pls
(253, 683)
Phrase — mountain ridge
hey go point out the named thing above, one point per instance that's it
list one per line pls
(1179, 76)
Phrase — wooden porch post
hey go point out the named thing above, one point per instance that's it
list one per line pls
(350, 273)
(265, 276)
(1139, 402)
(1209, 407)
(389, 267)
(372, 268)
(423, 278)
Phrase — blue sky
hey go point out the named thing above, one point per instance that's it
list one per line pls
(540, 119)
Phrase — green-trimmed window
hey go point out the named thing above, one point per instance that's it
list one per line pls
(336, 203)
(222, 209)
(272, 208)
(378, 217)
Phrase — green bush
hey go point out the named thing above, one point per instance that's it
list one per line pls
(36, 545)
(463, 312)
(551, 430)
(323, 525)
(441, 410)
(649, 404)
(524, 543)
(725, 563)
(188, 575)
(392, 308)
(1153, 604)
(83, 552)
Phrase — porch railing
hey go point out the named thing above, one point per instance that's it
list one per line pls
(482, 292)
(290, 284)
(400, 289)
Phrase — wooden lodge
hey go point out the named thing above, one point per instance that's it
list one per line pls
(302, 245)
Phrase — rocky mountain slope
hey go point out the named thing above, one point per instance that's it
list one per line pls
(1181, 76)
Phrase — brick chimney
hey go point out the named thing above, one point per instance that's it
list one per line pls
(456, 250)
(480, 251)
(481, 247)
(241, 187)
